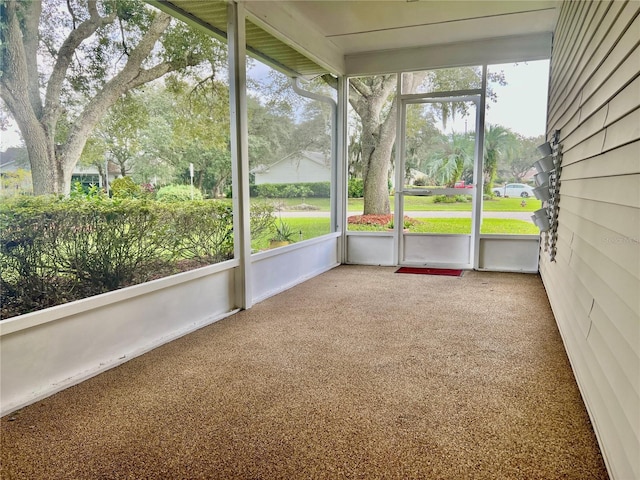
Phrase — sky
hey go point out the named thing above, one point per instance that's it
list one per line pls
(521, 104)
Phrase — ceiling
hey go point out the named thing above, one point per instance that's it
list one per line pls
(364, 26)
(331, 33)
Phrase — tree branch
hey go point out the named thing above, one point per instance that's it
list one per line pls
(360, 87)
(131, 76)
(19, 36)
(73, 15)
(65, 56)
(15, 68)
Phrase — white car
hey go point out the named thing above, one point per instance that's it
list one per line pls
(514, 190)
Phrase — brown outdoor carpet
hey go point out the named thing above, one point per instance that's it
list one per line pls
(357, 374)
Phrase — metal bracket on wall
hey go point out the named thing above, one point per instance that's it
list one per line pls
(553, 204)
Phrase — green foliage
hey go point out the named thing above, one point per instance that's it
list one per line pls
(199, 229)
(17, 182)
(454, 155)
(108, 244)
(498, 143)
(55, 250)
(356, 188)
(262, 221)
(92, 192)
(178, 193)
(283, 233)
(125, 187)
(27, 279)
(291, 190)
(452, 199)
(407, 223)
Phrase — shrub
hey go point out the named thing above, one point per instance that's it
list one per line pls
(267, 190)
(80, 191)
(262, 220)
(319, 189)
(283, 233)
(291, 190)
(452, 199)
(54, 250)
(27, 278)
(125, 187)
(356, 188)
(420, 181)
(200, 230)
(178, 193)
(107, 245)
(148, 190)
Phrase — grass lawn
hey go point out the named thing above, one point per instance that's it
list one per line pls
(426, 204)
(421, 204)
(310, 228)
(461, 226)
(315, 227)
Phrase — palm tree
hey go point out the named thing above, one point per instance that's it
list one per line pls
(497, 140)
(448, 163)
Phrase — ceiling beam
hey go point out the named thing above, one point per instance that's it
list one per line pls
(297, 32)
(487, 51)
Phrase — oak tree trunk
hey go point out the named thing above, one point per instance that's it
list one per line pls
(369, 97)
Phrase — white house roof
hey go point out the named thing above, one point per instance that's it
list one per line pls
(316, 157)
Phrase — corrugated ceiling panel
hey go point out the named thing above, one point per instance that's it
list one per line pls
(277, 53)
(210, 14)
(260, 44)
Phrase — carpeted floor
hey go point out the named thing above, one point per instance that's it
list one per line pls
(359, 373)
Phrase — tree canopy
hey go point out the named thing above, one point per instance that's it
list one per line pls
(63, 64)
(374, 100)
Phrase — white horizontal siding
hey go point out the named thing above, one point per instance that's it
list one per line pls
(594, 282)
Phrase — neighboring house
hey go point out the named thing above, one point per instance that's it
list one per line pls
(15, 177)
(15, 158)
(298, 167)
(12, 159)
(89, 175)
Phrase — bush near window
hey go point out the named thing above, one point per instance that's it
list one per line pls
(56, 250)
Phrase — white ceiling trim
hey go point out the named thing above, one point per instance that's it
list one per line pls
(463, 30)
(453, 22)
(297, 33)
(498, 50)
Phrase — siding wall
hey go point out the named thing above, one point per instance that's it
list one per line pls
(594, 283)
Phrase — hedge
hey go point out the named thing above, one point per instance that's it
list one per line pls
(55, 250)
(291, 190)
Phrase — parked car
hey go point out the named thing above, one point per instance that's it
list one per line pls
(514, 190)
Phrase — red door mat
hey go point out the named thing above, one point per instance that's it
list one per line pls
(430, 271)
